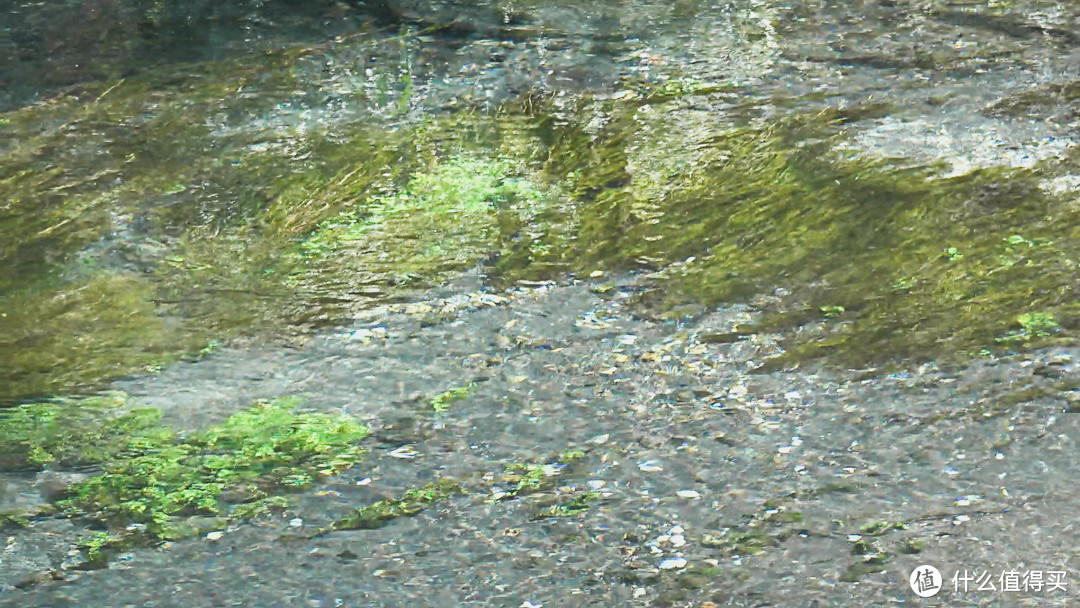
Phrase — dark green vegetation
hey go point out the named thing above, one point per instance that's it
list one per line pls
(887, 261)
(408, 504)
(155, 484)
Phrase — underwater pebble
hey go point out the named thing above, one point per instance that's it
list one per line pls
(296, 523)
(596, 484)
(963, 501)
(215, 535)
(673, 563)
(364, 482)
(405, 452)
(688, 494)
(650, 466)
(677, 540)
(959, 519)
(639, 592)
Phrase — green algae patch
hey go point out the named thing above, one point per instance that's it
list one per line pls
(71, 433)
(154, 483)
(81, 333)
(164, 477)
(879, 260)
(522, 479)
(442, 402)
(148, 216)
(409, 504)
(12, 520)
(566, 504)
(445, 219)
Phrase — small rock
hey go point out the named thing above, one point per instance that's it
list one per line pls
(650, 466)
(673, 563)
(405, 452)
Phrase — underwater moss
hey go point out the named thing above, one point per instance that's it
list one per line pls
(71, 433)
(53, 338)
(522, 479)
(443, 220)
(441, 402)
(169, 230)
(568, 505)
(412, 502)
(156, 484)
(162, 477)
(922, 266)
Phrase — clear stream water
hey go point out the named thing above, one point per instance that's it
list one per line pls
(159, 142)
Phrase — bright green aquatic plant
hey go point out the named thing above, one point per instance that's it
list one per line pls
(162, 477)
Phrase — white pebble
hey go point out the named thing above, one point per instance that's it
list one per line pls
(673, 563)
(650, 466)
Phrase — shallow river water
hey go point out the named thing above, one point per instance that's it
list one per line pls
(741, 303)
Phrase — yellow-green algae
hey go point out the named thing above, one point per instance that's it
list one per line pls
(169, 233)
(229, 230)
(727, 212)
